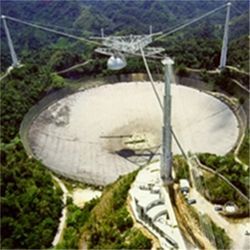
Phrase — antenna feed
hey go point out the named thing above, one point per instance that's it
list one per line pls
(167, 61)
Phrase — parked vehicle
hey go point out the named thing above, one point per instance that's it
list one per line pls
(218, 208)
(191, 201)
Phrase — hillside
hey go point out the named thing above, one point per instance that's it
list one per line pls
(104, 223)
(162, 15)
(86, 18)
(110, 225)
(30, 202)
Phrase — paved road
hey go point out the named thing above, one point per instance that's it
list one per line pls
(236, 231)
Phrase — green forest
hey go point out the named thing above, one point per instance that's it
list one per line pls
(110, 224)
(30, 200)
(30, 205)
(104, 223)
(228, 167)
(86, 18)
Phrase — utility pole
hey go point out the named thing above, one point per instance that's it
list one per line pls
(166, 160)
(223, 57)
(15, 62)
(102, 32)
(150, 29)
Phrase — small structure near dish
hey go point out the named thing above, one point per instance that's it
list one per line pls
(184, 185)
(152, 207)
(230, 207)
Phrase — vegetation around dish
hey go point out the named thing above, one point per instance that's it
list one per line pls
(244, 149)
(225, 81)
(76, 218)
(180, 167)
(228, 167)
(218, 191)
(104, 222)
(215, 234)
(110, 225)
(30, 201)
(213, 187)
(23, 88)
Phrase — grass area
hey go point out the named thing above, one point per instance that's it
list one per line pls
(213, 187)
(224, 81)
(244, 149)
(180, 167)
(110, 225)
(216, 235)
(218, 191)
(228, 167)
(198, 224)
(77, 217)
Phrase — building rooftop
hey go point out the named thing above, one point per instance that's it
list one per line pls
(157, 211)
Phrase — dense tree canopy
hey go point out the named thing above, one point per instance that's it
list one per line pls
(227, 166)
(30, 205)
(22, 89)
(196, 46)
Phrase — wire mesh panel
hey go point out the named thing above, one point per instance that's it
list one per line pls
(80, 135)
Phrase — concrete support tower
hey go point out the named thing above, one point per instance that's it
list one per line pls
(223, 57)
(15, 62)
(166, 161)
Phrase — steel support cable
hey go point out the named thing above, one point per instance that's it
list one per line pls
(53, 26)
(74, 67)
(191, 22)
(237, 10)
(151, 78)
(185, 114)
(159, 101)
(212, 115)
(58, 27)
(52, 30)
(70, 35)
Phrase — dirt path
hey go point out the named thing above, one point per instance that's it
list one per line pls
(63, 218)
(81, 196)
(7, 73)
